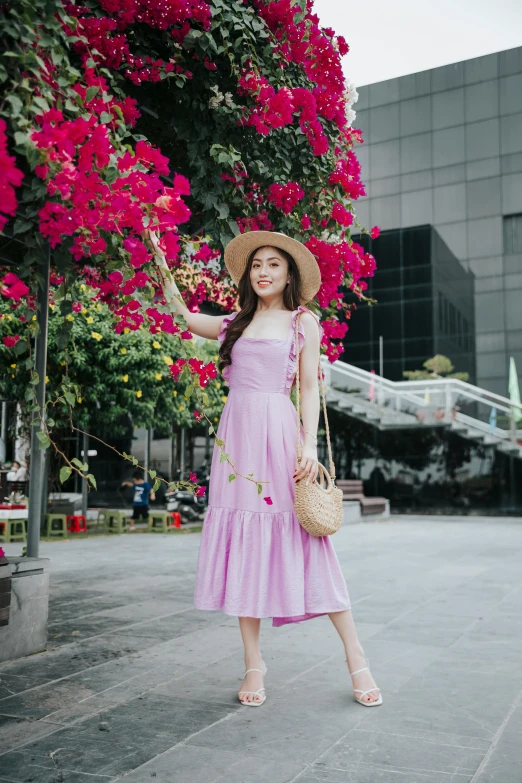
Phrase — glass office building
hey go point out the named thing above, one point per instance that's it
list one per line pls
(443, 149)
(425, 306)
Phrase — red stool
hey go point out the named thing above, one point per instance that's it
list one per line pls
(76, 523)
(176, 519)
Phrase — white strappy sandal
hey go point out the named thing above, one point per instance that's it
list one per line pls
(363, 693)
(254, 693)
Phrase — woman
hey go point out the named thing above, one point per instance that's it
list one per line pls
(255, 559)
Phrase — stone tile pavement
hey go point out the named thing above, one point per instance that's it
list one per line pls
(137, 684)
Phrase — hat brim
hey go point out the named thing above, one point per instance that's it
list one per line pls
(238, 251)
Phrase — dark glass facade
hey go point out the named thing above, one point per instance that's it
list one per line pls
(424, 306)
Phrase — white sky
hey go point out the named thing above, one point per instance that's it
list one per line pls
(389, 38)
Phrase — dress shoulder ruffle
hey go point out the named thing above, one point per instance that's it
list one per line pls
(292, 364)
(226, 320)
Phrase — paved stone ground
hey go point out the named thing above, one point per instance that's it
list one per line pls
(139, 685)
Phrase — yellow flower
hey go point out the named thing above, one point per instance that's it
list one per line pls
(69, 317)
(8, 317)
(83, 310)
(13, 366)
(82, 286)
(215, 358)
(12, 375)
(62, 364)
(215, 418)
(126, 330)
(123, 350)
(125, 378)
(168, 360)
(224, 398)
(79, 399)
(33, 318)
(47, 379)
(90, 319)
(181, 407)
(139, 393)
(96, 335)
(174, 393)
(156, 344)
(98, 308)
(158, 376)
(52, 306)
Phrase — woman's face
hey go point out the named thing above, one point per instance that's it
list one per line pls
(269, 273)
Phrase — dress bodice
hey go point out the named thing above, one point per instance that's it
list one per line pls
(263, 365)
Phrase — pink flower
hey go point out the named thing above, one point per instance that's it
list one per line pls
(193, 477)
(305, 222)
(285, 197)
(10, 342)
(199, 491)
(2, 553)
(341, 215)
(375, 232)
(268, 500)
(12, 287)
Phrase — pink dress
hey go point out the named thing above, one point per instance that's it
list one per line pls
(255, 559)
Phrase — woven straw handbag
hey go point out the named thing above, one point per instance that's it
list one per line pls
(319, 508)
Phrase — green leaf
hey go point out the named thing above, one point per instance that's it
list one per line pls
(71, 399)
(77, 462)
(50, 422)
(152, 474)
(189, 391)
(231, 477)
(21, 225)
(91, 480)
(223, 456)
(105, 117)
(157, 484)
(43, 439)
(91, 92)
(41, 103)
(16, 104)
(65, 472)
(211, 430)
(21, 347)
(259, 488)
(220, 442)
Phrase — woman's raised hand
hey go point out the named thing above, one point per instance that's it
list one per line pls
(152, 239)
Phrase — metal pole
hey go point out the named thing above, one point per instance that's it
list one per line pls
(36, 484)
(148, 438)
(85, 485)
(182, 454)
(3, 432)
(381, 357)
(45, 493)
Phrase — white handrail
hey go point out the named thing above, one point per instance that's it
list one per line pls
(443, 394)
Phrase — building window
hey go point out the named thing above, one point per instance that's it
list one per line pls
(512, 234)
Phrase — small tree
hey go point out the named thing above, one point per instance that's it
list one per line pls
(435, 368)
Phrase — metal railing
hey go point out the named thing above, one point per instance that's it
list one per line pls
(445, 402)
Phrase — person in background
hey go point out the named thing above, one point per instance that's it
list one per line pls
(140, 502)
(17, 473)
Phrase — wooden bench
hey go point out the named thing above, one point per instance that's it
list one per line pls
(353, 490)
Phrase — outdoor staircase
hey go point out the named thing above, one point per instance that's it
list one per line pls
(472, 412)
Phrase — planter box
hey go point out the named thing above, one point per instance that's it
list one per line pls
(26, 632)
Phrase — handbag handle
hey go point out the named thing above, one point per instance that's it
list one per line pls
(298, 401)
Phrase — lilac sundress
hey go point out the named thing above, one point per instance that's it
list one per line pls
(255, 559)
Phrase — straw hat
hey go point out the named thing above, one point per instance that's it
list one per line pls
(239, 249)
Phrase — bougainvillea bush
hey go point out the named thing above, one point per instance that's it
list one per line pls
(200, 119)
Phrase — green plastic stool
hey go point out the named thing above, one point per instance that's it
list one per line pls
(114, 521)
(160, 521)
(12, 530)
(56, 526)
